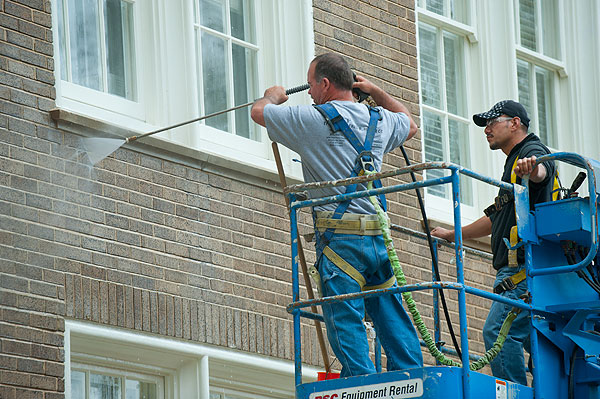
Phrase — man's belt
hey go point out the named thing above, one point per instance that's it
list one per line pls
(499, 202)
(361, 224)
(350, 223)
(510, 283)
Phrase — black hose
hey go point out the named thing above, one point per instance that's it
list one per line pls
(433, 258)
(297, 89)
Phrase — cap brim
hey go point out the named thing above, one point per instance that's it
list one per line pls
(479, 121)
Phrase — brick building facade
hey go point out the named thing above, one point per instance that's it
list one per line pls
(157, 242)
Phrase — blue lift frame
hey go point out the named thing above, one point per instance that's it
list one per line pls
(561, 323)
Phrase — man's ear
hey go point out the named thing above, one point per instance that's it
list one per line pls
(516, 123)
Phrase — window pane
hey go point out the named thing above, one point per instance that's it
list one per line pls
(429, 66)
(458, 11)
(139, 390)
(241, 20)
(104, 387)
(527, 24)
(85, 59)
(524, 83)
(212, 14)
(215, 76)
(244, 78)
(550, 35)
(543, 88)
(454, 74)
(77, 384)
(120, 48)
(436, 6)
(434, 150)
(459, 154)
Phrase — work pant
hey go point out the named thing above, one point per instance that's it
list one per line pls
(510, 362)
(344, 321)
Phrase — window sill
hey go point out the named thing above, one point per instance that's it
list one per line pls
(264, 176)
(542, 60)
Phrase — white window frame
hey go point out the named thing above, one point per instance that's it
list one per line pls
(189, 369)
(441, 208)
(123, 371)
(537, 58)
(70, 95)
(167, 86)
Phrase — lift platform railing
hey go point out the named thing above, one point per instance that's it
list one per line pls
(526, 232)
(453, 179)
(525, 227)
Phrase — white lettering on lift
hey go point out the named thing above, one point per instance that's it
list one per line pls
(391, 390)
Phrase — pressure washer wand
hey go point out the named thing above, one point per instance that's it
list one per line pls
(287, 92)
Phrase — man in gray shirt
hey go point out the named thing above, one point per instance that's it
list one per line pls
(349, 258)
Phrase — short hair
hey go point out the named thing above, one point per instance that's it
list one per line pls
(335, 68)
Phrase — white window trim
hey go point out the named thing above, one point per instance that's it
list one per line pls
(535, 58)
(186, 350)
(441, 208)
(541, 60)
(120, 373)
(448, 24)
(105, 105)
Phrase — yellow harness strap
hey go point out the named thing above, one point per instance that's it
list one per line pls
(514, 235)
(518, 277)
(345, 266)
(352, 272)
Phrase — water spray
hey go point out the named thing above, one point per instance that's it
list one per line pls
(99, 148)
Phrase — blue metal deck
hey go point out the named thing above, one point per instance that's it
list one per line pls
(426, 383)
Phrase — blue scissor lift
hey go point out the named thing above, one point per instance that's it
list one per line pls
(565, 309)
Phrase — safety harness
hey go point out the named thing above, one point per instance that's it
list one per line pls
(513, 244)
(328, 223)
(357, 223)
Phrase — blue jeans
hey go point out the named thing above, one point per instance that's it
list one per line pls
(344, 321)
(510, 362)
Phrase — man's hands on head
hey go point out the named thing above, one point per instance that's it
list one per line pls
(363, 85)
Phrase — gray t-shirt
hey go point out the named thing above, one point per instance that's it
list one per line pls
(330, 156)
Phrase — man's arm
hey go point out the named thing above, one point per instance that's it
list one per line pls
(273, 95)
(479, 228)
(386, 101)
(525, 167)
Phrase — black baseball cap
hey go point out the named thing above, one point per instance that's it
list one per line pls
(506, 107)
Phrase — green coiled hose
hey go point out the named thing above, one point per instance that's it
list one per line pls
(412, 306)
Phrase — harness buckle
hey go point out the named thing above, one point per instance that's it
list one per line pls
(505, 285)
(366, 161)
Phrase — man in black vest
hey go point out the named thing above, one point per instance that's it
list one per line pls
(506, 128)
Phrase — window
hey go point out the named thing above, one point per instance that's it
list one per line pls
(144, 65)
(93, 382)
(453, 9)
(227, 52)
(445, 124)
(538, 64)
(97, 51)
(109, 363)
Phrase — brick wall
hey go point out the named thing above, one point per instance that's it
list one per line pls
(155, 244)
